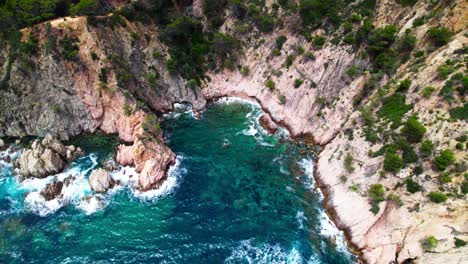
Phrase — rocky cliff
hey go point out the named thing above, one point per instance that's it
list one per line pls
(112, 76)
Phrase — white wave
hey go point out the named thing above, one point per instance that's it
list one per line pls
(180, 109)
(300, 219)
(92, 204)
(329, 229)
(169, 185)
(77, 189)
(37, 204)
(246, 252)
(307, 164)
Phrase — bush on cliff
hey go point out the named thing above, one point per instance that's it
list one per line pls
(444, 159)
(437, 197)
(430, 243)
(412, 186)
(439, 35)
(413, 130)
(393, 162)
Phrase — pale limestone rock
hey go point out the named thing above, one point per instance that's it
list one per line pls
(100, 181)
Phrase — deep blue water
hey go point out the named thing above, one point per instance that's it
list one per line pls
(236, 195)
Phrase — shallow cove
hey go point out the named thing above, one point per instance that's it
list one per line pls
(238, 195)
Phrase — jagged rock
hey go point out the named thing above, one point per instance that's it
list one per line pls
(68, 180)
(52, 190)
(268, 123)
(45, 157)
(109, 165)
(100, 181)
(40, 163)
(55, 145)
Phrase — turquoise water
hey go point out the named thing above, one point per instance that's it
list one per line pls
(236, 195)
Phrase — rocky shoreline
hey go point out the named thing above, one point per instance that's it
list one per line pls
(321, 109)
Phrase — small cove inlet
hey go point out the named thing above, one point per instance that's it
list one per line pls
(235, 195)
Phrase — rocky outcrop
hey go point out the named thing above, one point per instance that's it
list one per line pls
(52, 190)
(47, 156)
(267, 123)
(2, 143)
(100, 181)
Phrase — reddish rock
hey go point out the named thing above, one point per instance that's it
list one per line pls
(268, 123)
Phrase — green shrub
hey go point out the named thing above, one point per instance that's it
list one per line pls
(437, 197)
(459, 242)
(245, 70)
(394, 108)
(381, 39)
(444, 159)
(318, 41)
(460, 113)
(444, 71)
(409, 155)
(427, 91)
(270, 84)
(127, 109)
(69, 47)
(279, 42)
(407, 42)
(314, 12)
(430, 243)
(418, 170)
(413, 130)
(214, 12)
(393, 162)
(439, 35)
(412, 186)
(298, 83)
(404, 85)
(445, 178)
(407, 2)
(282, 99)
(84, 7)
(348, 163)
(464, 186)
(376, 192)
(310, 55)
(289, 60)
(395, 198)
(426, 148)
(459, 146)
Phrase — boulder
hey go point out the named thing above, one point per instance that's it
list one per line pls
(100, 181)
(2, 143)
(46, 157)
(40, 163)
(52, 190)
(55, 145)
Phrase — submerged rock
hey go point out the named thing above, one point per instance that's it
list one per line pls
(100, 181)
(52, 190)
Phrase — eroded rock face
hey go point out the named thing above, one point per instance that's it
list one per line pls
(46, 157)
(267, 123)
(52, 190)
(100, 181)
